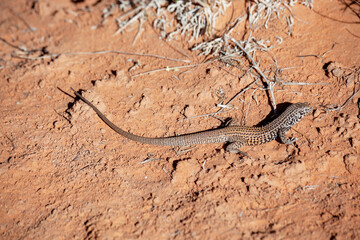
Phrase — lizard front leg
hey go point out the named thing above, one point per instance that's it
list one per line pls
(283, 138)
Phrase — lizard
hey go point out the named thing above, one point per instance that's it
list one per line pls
(236, 136)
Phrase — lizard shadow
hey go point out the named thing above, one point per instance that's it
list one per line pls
(280, 108)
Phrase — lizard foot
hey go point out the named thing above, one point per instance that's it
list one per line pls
(290, 141)
(234, 148)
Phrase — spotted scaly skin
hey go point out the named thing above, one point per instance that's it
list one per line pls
(237, 136)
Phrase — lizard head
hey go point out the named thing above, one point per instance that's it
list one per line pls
(303, 109)
(295, 113)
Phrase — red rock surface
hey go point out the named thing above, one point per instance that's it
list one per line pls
(64, 174)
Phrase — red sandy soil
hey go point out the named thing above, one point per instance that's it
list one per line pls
(65, 174)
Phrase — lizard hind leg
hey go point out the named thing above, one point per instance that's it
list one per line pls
(231, 122)
(234, 147)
